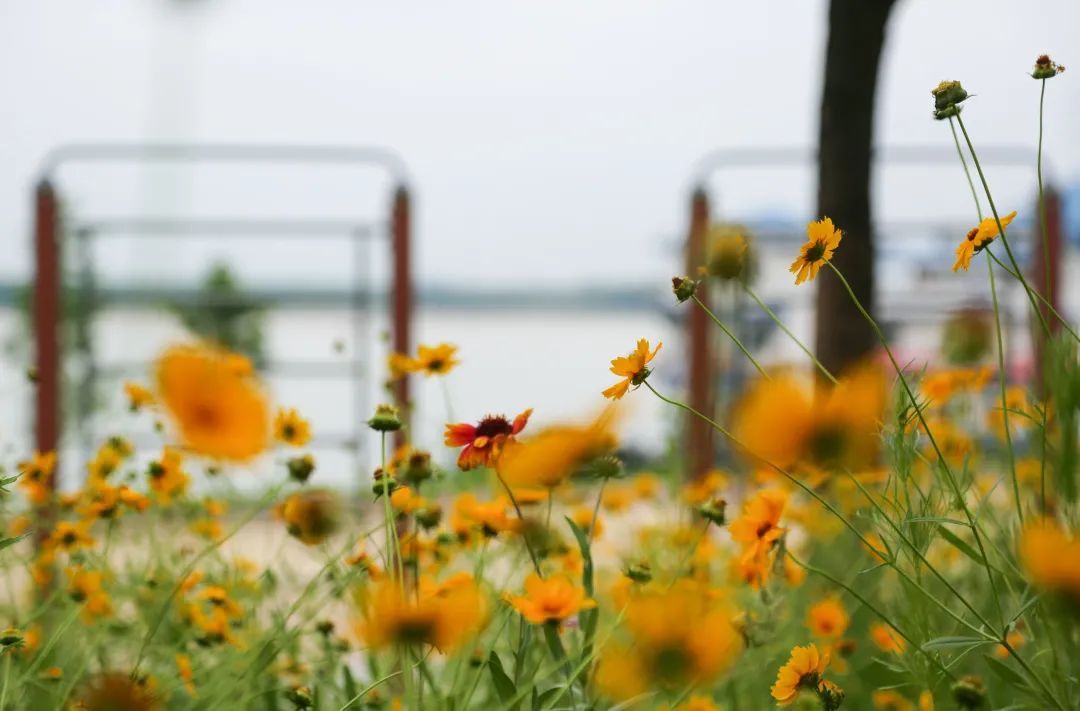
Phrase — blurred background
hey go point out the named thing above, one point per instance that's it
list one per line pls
(550, 151)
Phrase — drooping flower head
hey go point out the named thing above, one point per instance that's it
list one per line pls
(219, 409)
(977, 238)
(822, 239)
(633, 369)
(482, 443)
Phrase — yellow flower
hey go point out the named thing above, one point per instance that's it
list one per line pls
(632, 368)
(822, 239)
(183, 668)
(219, 409)
(827, 619)
(488, 516)
(803, 670)
(398, 365)
(583, 517)
(705, 488)
(69, 536)
(679, 637)
(85, 587)
(138, 396)
(977, 238)
(444, 615)
(167, 477)
(290, 428)
(552, 600)
(35, 476)
(695, 703)
(887, 639)
(551, 456)
(1051, 557)
(757, 529)
(435, 360)
(109, 691)
(312, 515)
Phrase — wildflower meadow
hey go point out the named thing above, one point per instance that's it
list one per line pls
(897, 536)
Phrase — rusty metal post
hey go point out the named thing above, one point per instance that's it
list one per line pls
(699, 381)
(401, 297)
(1039, 277)
(46, 318)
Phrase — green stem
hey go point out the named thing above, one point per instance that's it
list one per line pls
(7, 678)
(1042, 199)
(730, 335)
(929, 433)
(792, 336)
(967, 172)
(830, 508)
(1042, 300)
(595, 511)
(1004, 398)
(1001, 227)
(521, 517)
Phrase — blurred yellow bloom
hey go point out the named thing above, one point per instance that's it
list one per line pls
(167, 477)
(444, 615)
(550, 601)
(219, 409)
(290, 428)
(138, 396)
(890, 700)
(554, 454)
(887, 639)
(86, 587)
(435, 360)
(1051, 557)
(312, 515)
(827, 619)
(35, 476)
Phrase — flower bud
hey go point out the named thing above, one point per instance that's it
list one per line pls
(948, 95)
(300, 697)
(713, 510)
(312, 515)
(417, 467)
(683, 287)
(11, 637)
(385, 419)
(429, 516)
(639, 572)
(729, 254)
(969, 692)
(609, 467)
(383, 484)
(1046, 68)
(301, 468)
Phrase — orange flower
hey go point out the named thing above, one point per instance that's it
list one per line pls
(827, 619)
(803, 670)
(444, 615)
(822, 239)
(290, 428)
(632, 368)
(138, 396)
(489, 516)
(548, 458)
(757, 529)
(977, 238)
(1051, 557)
(887, 639)
(482, 443)
(552, 600)
(220, 411)
(36, 476)
(435, 360)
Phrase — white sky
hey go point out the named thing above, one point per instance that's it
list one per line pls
(547, 141)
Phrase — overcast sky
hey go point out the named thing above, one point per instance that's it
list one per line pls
(546, 141)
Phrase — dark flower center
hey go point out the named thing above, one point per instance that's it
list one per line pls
(816, 252)
(493, 425)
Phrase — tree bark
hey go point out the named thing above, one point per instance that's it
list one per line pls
(845, 151)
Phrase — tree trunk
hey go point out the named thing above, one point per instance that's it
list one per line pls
(856, 37)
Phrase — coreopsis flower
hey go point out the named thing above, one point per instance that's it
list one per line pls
(86, 587)
(779, 422)
(822, 239)
(695, 703)
(646, 485)
(114, 691)
(887, 639)
(489, 517)
(1046, 68)
(36, 475)
(398, 365)
(105, 502)
(804, 670)
(891, 700)
(167, 477)
(312, 515)
(583, 517)
(482, 443)
(219, 409)
(704, 488)
(1051, 557)
(827, 619)
(728, 253)
(290, 428)
(633, 369)
(435, 360)
(183, 670)
(977, 238)
(555, 453)
(757, 530)
(68, 536)
(551, 600)
(1016, 640)
(679, 637)
(138, 396)
(444, 615)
